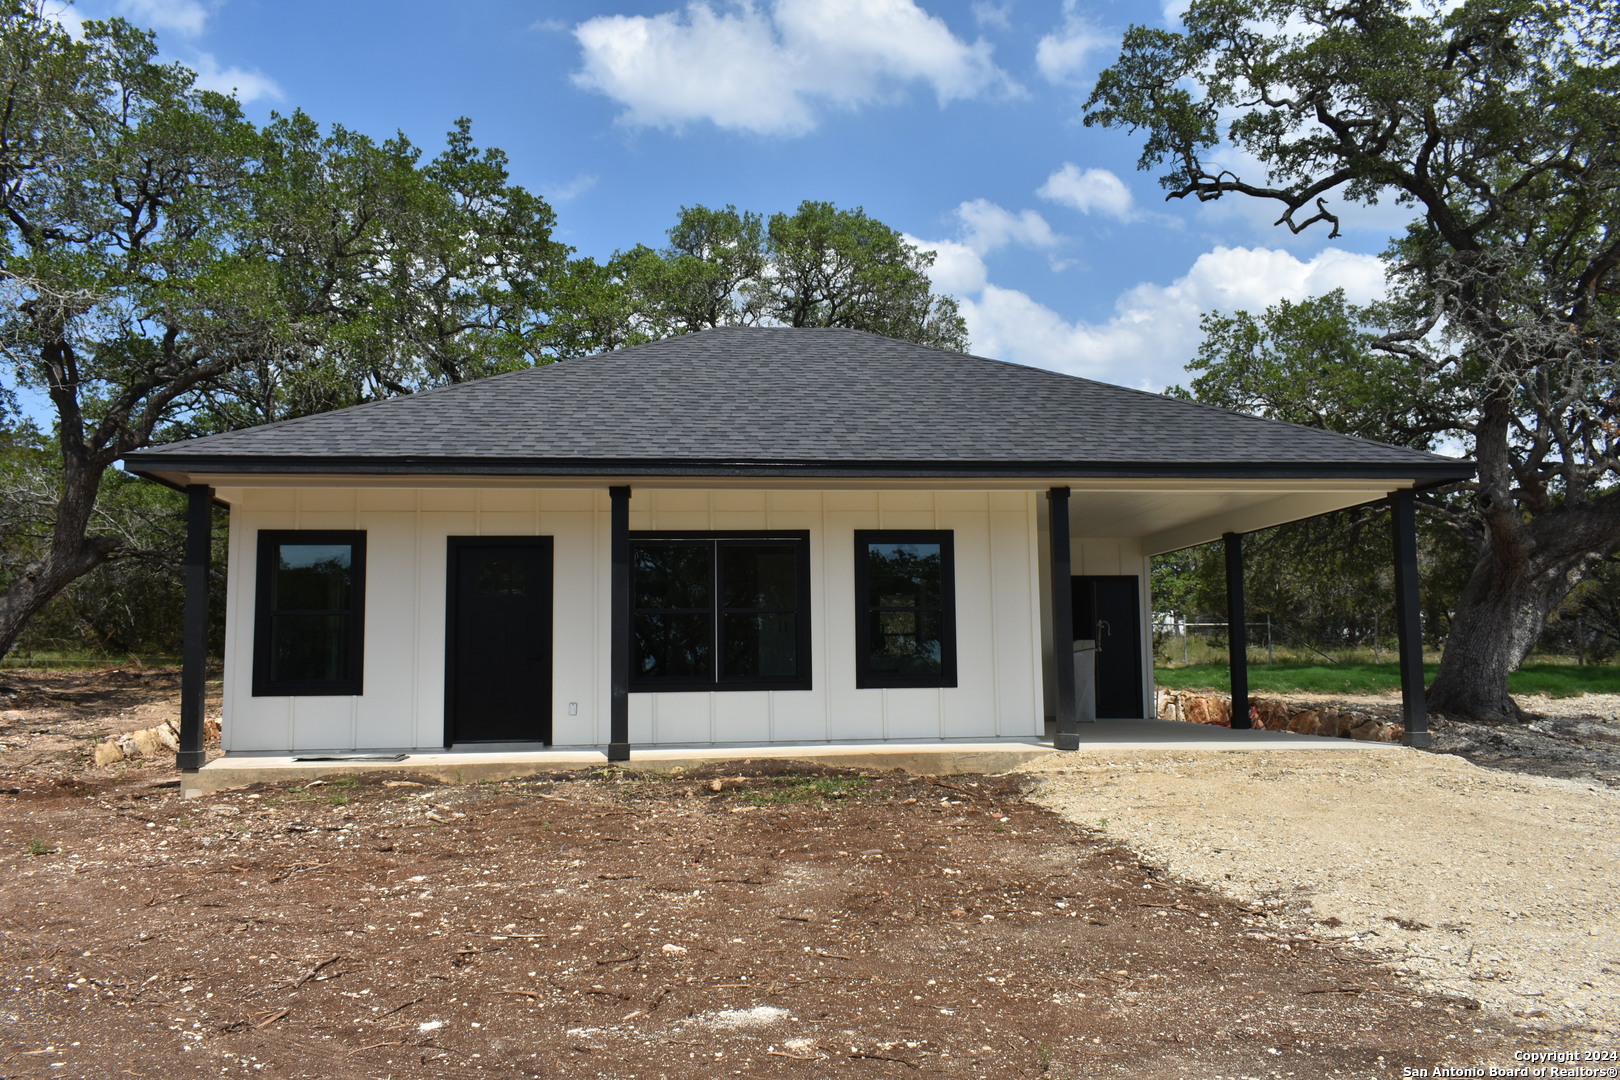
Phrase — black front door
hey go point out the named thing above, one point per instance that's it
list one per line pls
(498, 677)
(1106, 609)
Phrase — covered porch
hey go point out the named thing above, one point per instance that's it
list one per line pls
(1159, 517)
(1107, 529)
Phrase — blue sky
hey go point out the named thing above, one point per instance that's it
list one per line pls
(957, 123)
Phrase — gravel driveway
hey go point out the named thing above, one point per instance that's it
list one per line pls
(1499, 886)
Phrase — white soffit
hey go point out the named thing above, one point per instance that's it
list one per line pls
(1168, 521)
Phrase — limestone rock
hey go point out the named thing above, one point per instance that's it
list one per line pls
(1272, 715)
(146, 741)
(1330, 723)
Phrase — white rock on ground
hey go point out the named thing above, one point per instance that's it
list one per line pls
(1510, 882)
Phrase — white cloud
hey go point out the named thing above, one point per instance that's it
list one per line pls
(986, 226)
(765, 71)
(1174, 10)
(570, 191)
(996, 15)
(65, 17)
(245, 85)
(666, 71)
(1153, 331)
(958, 270)
(1062, 54)
(1091, 191)
(186, 17)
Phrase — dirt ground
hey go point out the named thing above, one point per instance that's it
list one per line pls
(1577, 738)
(780, 922)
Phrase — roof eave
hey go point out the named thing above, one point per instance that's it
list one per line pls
(163, 467)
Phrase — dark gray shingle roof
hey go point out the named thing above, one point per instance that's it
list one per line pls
(804, 402)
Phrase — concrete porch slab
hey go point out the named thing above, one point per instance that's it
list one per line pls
(937, 758)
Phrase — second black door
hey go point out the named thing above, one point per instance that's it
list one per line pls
(498, 682)
(1107, 610)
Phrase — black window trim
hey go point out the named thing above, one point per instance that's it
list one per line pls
(269, 540)
(865, 678)
(669, 685)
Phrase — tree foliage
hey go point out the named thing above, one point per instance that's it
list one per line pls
(1495, 123)
(706, 275)
(1313, 363)
(819, 266)
(388, 274)
(1325, 584)
(123, 284)
(166, 266)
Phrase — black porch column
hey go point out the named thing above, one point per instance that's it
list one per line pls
(1068, 716)
(194, 644)
(1408, 624)
(1237, 630)
(619, 622)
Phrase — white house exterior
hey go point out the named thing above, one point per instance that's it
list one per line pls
(743, 536)
(407, 531)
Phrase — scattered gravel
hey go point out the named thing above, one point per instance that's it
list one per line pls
(1495, 885)
(1577, 738)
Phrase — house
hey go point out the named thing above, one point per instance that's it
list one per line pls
(741, 536)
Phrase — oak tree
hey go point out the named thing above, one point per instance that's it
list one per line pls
(167, 267)
(819, 266)
(1495, 123)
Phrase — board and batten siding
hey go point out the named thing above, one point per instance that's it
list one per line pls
(1123, 558)
(402, 707)
(1099, 557)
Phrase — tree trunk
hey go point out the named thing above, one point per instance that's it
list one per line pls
(1519, 580)
(70, 556)
(1498, 619)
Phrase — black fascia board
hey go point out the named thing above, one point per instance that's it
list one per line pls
(1432, 473)
(219, 504)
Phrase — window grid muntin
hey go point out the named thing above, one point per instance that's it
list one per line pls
(866, 676)
(795, 541)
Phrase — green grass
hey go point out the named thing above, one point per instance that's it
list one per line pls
(1558, 680)
(37, 847)
(1566, 680)
(790, 789)
(69, 661)
(341, 787)
(337, 791)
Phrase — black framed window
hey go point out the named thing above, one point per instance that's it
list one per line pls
(905, 608)
(720, 611)
(309, 612)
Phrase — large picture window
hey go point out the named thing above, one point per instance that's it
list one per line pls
(720, 611)
(309, 612)
(905, 608)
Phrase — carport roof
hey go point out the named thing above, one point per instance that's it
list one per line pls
(775, 402)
